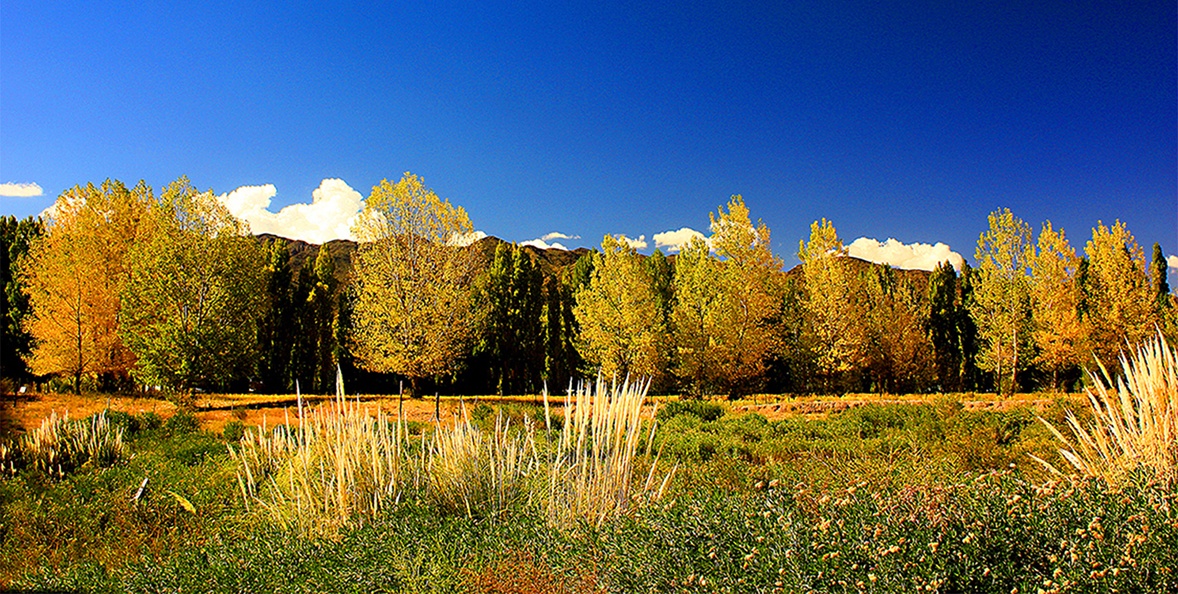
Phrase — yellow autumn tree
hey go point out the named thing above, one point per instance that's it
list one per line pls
(414, 312)
(1119, 300)
(74, 274)
(1059, 333)
(724, 307)
(1001, 301)
(623, 330)
(834, 329)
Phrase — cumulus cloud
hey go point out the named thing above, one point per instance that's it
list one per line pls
(906, 256)
(558, 235)
(540, 243)
(675, 240)
(637, 244)
(333, 209)
(15, 190)
(1172, 261)
(465, 239)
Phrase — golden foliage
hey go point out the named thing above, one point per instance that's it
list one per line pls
(413, 313)
(623, 330)
(1059, 331)
(834, 329)
(74, 274)
(723, 309)
(1001, 301)
(1120, 303)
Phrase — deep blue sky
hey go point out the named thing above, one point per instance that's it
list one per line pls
(591, 117)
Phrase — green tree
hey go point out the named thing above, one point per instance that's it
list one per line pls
(1001, 305)
(15, 341)
(1120, 301)
(512, 341)
(943, 330)
(1157, 280)
(195, 294)
(413, 313)
(322, 313)
(622, 330)
(278, 329)
(73, 277)
(967, 332)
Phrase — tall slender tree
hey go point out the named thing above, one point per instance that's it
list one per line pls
(835, 327)
(942, 327)
(16, 344)
(1001, 306)
(512, 341)
(1121, 305)
(1059, 332)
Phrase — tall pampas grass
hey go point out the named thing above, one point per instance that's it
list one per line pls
(337, 465)
(591, 474)
(1135, 419)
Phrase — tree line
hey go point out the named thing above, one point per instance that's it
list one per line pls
(121, 289)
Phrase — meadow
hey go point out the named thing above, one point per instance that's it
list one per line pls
(605, 491)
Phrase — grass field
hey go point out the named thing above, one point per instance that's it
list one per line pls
(851, 494)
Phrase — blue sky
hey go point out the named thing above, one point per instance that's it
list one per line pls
(585, 118)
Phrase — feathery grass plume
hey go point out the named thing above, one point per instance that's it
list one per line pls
(470, 471)
(338, 464)
(590, 475)
(60, 444)
(1136, 419)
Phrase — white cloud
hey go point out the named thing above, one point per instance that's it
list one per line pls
(1172, 261)
(333, 209)
(544, 245)
(675, 240)
(558, 235)
(466, 239)
(907, 256)
(15, 190)
(637, 244)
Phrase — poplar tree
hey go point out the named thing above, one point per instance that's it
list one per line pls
(413, 313)
(73, 277)
(724, 307)
(943, 330)
(1120, 302)
(834, 331)
(16, 344)
(622, 330)
(1059, 332)
(1001, 306)
(512, 341)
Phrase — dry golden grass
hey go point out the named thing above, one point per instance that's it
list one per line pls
(1136, 419)
(339, 464)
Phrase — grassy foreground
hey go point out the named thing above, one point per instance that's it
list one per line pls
(878, 498)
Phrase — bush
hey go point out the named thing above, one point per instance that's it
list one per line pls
(181, 423)
(707, 411)
(233, 431)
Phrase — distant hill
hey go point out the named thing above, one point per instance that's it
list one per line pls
(552, 261)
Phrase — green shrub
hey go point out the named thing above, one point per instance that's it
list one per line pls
(233, 431)
(181, 423)
(707, 411)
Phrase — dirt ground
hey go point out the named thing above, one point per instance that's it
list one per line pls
(23, 412)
